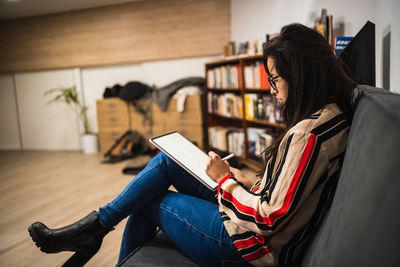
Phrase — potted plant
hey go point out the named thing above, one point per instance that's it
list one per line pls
(69, 95)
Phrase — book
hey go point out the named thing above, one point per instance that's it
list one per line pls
(227, 139)
(329, 29)
(209, 103)
(320, 24)
(210, 79)
(340, 44)
(233, 81)
(263, 77)
(256, 73)
(228, 105)
(239, 78)
(264, 140)
(269, 108)
(223, 77)
(218, 83)
(259, 109)
(252, 136)
(229, 49)
(248, 77)
(249, 102)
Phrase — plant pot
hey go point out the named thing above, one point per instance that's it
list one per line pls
(90, 143)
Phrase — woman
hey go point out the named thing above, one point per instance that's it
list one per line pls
(268, 223)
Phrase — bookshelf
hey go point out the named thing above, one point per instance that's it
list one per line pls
(243, 117)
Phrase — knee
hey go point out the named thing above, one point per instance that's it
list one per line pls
(162, 157)
(164, 162)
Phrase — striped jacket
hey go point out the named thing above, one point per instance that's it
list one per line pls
(271, 222)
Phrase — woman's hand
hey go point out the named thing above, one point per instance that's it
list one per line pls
(241, 178)
(236, 172)
(216, 168)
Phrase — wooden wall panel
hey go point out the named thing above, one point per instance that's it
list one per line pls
(123, 33)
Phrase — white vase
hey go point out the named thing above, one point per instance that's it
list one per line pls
(90, 144)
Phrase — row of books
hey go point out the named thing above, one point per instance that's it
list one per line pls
(224, 77)
(255, 76)
(231, 140)
(259, 140)
(244, 48)
(227, 139)
(262, 107)
(229, 76)
(228, 105)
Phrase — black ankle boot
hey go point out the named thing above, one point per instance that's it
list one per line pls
(84, 237)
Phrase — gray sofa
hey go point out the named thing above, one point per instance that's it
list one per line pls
(362, 227)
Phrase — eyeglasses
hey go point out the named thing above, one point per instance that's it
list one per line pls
(272, 83)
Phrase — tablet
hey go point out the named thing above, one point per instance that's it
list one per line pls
(186, 154)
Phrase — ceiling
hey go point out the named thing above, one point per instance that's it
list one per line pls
(10, 9)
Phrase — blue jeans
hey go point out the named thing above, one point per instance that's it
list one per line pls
(190, 218)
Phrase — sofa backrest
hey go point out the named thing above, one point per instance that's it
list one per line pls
(362, 227)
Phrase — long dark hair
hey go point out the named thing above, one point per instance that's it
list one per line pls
(305, 60)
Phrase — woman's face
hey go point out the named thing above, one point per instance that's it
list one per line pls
(281, 86)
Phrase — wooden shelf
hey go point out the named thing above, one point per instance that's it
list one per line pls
(234, 59)
(240, 62)
(267, 123)
(256, 91)
(253, 164)
(225, 117)
(225, 90)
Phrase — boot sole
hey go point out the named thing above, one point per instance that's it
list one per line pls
(38, 242)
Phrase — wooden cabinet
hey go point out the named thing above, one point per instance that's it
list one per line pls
(190, 123)
(113, 121)
(243, 117)
(115, 116)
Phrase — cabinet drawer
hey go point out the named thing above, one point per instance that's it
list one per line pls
(107, 137)
(112, 119)
(111, 105)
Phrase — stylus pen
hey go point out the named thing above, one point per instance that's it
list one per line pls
(229, 156)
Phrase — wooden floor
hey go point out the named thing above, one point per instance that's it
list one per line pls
(56, 188)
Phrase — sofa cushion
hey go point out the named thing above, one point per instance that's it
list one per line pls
(158, 252)
(362, 227)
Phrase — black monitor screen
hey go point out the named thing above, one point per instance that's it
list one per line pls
(359, 55)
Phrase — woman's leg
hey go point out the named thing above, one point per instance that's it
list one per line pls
(194, 225)
(147, 186)
(138, 230)
(152, 182)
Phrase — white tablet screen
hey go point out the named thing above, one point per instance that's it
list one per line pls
(186, 154)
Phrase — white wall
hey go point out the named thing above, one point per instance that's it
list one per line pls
(254, 18)
(43, 126)
(269, 16)
(395, 45)
(9, 129)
